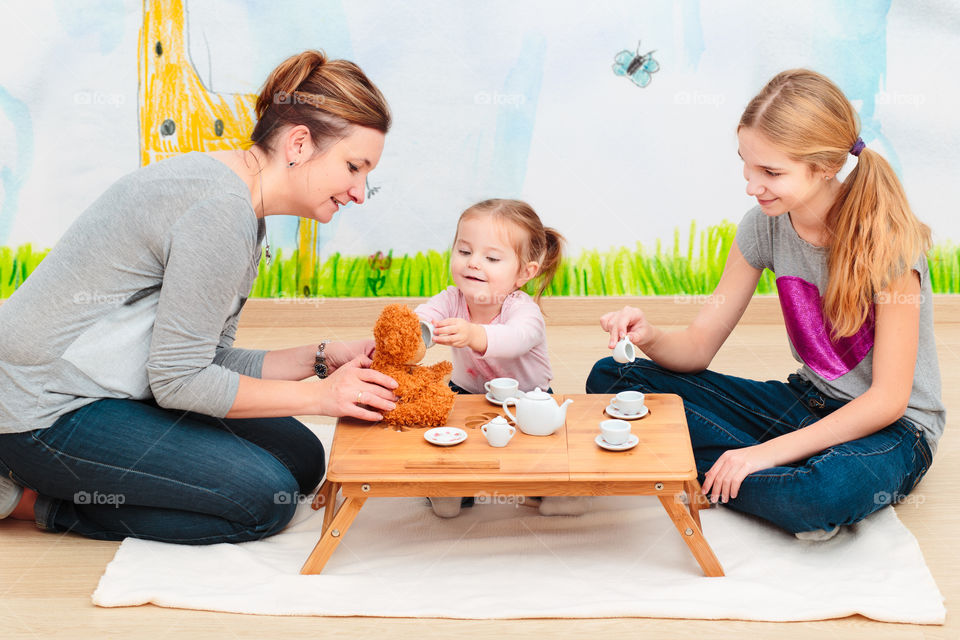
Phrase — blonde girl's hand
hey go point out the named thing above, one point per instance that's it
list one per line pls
(356, 391)
(456, 332)
(628, 322)
(722, 482)
(340, 353)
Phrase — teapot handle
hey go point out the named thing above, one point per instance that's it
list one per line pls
(507, 411)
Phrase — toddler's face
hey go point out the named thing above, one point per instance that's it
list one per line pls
(483, 263)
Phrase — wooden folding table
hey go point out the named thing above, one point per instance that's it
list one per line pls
(370, 461)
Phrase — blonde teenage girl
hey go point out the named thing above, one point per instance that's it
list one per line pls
(855, 428)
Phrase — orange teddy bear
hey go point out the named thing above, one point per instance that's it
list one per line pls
(425, 400)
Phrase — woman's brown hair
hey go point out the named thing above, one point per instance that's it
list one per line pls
(326, 96)
(534, 243)
(875, 237)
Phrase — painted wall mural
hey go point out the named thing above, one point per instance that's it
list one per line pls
(616, 122)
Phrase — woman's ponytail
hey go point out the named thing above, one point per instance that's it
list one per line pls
(286, 78)
(326, 96)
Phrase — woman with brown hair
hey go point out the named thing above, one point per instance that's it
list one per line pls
(124, 408)
(855, 428)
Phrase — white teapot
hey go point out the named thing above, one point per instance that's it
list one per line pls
(537, 413)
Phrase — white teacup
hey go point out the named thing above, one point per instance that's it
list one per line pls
(502, 388)
(498, 432)
(426, 331)
(624, 351)
(615, 431)
(629, 403)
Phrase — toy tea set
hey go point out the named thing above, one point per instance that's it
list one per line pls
(538, 414)
(401, 343)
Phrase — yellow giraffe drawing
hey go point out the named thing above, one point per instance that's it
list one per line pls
(178, 114)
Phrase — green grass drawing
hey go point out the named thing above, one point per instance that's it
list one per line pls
(16, 265)
(692, 267)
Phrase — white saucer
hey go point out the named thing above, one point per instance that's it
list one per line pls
(629, 444)
(445, 436)
(614, 413)
(499, 403)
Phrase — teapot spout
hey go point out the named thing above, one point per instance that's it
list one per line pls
(563, 410)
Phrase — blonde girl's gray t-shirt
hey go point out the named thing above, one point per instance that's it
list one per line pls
(139, 299)
(841, 369)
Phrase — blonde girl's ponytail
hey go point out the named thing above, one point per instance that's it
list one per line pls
(875, 237)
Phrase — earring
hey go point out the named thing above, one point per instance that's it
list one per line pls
(291, 163)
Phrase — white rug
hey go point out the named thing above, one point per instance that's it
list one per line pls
(624, 558)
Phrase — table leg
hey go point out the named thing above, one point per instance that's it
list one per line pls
(695, 499)
(332, 535)
(327, 498)
(692, 535)
(323, 494)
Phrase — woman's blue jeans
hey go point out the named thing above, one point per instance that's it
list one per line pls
(841, 485)
(124, 468)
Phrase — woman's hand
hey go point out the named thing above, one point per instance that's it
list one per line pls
(722, 481)
(628, 322)
(355, 391)
(340, 353)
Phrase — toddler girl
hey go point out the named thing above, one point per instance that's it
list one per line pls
(495, 329)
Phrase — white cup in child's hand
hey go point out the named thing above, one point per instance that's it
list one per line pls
(502, 388)
(426, 331)
(498, 432)
(629, 403)
(615, 431)
(624, 351)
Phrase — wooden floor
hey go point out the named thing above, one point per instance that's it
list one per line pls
(46, 579)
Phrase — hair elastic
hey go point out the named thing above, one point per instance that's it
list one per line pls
(858, 146)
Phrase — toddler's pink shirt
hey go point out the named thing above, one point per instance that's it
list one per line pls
(516, 342)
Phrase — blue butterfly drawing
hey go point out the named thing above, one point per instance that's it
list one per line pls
(371, 191)
(636, 66)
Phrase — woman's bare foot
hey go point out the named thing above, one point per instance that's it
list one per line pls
(24, 510)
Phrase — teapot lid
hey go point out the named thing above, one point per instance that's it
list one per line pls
(536, 394)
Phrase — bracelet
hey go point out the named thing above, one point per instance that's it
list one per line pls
(320, 364)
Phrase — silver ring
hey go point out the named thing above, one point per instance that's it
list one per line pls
(359, 396)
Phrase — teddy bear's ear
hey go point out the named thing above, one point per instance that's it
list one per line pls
(397, 333)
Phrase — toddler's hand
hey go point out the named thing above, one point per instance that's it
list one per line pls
(456, 332)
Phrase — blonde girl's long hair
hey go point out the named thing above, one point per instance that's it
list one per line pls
(875, 237)
(533, 243)
(326, 96)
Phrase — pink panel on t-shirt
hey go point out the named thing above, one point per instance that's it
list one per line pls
(809, 331)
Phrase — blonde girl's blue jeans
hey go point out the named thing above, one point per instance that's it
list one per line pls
(839, 486)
